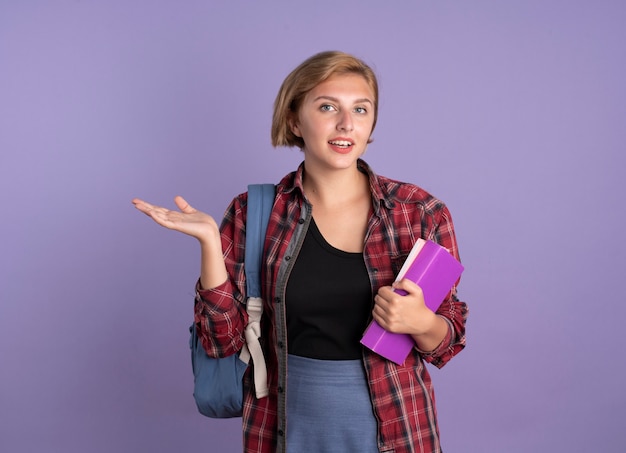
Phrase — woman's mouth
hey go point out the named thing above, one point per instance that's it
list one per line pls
(342, 146)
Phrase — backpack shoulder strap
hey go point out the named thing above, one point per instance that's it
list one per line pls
(260, 202)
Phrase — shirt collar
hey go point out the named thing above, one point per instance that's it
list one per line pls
(293, 181)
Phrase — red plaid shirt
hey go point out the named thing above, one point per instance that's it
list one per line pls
(402, 396)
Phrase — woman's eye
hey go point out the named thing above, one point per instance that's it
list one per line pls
(326, 108)
(360, 110)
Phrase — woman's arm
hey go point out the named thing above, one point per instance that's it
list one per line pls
(219, 318)
(438, 336)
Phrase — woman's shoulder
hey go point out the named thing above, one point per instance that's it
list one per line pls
(394, 191)
(407, 193)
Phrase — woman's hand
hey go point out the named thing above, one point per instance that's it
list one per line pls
(196, 224)
(403, 314)
(188, 220)
(409, 314)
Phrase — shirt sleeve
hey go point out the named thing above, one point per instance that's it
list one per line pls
(452, 309)
(219, 320)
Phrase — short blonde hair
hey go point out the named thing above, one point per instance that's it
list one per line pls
(304, 78)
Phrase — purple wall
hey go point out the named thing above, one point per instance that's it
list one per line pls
(511, 112)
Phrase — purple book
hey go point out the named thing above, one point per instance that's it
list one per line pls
(435, 270)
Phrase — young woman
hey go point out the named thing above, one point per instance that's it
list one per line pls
(337, 237)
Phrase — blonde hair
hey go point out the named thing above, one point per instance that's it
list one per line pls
(304, 78)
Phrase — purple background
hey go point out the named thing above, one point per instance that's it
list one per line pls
(514, 113)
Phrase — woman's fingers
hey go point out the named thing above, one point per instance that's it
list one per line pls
(183, 205)
(159, 214)
(187, 219)
(143, 206)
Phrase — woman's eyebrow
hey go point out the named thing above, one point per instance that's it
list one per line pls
(334, 99)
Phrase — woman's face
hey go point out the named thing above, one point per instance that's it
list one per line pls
(335, 121)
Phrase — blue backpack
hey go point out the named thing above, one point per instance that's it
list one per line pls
(218, 383)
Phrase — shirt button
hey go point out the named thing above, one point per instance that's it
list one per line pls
(301, 221)
(287, 258)
(280, 344)
(281, 432)
(280, 389)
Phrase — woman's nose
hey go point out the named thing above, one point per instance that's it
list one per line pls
(345, 122)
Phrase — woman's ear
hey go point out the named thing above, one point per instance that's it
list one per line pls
(293, 126)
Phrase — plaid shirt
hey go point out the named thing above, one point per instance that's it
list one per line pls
(402, 396)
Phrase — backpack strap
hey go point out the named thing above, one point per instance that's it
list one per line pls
(260, 203)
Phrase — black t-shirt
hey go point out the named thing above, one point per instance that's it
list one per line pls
(329, 301)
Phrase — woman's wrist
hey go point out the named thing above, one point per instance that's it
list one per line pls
(432, 336)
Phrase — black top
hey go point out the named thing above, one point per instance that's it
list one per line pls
(329, 301)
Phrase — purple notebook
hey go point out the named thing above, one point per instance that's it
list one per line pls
(435, 270)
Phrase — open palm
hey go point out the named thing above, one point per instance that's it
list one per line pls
(187, 220)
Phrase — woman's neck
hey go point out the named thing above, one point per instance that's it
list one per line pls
(336, 187)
